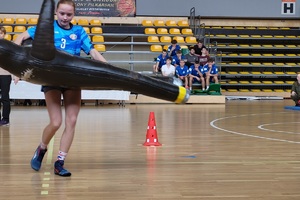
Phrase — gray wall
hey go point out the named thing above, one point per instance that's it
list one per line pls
(204, 8)
(215, 8)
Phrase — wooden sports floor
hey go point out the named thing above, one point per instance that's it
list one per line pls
(241, 150)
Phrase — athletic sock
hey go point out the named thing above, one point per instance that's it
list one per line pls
(61, 155)
(43, 146)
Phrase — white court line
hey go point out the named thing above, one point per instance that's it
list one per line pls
(248, 135)
(271, 130)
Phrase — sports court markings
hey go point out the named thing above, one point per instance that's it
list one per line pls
(212, 123)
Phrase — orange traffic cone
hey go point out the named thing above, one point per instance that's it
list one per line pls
(151, 137)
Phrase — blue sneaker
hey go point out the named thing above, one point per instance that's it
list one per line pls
(4, 123)
(37, 158)
(60, 170)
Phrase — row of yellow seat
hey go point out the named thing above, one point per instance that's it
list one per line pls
(260, 82)
(249, 27)
(32, 21)
(291, 64)
(167, 39)
(256, 90)
(259, 54)
(159, 48)
(165, 31)
(15, 29)
(257, 45)
(251, 36)
(181, 23)
(22, 21)
(20, 29)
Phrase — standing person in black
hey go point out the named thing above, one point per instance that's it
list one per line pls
(198, 47)
(5, 81)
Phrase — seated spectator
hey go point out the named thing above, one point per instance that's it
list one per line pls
(197, 75)
(168, 69)
(191, 57)
(211, 72)
(173, 48)
(176, 59)
(160, 61)
(183, 73)
(198, 47)
(295, 92)
(203, 58)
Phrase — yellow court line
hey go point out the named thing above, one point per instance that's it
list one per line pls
(50, 151)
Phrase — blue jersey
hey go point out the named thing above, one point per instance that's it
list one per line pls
(176, 61)
(161, 60)
(194, 72)
(182, 71)
(174, 51)
(214, 69)
(69, 40)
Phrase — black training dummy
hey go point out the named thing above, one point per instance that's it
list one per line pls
(43, 64)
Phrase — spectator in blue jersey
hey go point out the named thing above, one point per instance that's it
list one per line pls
(168, 69)
(197, 75)
(211, 72)
(173, 48)
(160, 61)
(71, 39)
(176, 59)
(183, 73)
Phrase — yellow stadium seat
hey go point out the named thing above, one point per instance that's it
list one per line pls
(32, 21)
(87, 29)
(21, 21)
(98, 38)
(162, 31)
(0, 20)
(179, 39)
(166, 47)
(146, 22)
(83, 22)
(73, 21)
(191, 39)
(171, 23)
(232, 90)
(175, 31)
(150, 31)
(15, 37)
(165, 39)
(8, 20)
(156, 48)
(255, 82)
(19, 29)
(183, 23)
(8, 28)
(159, 23)
(95, 22)
(184, 47)
(153, 39)
(7, 37)
(100, 47)
(187, 31)
(97, 30)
